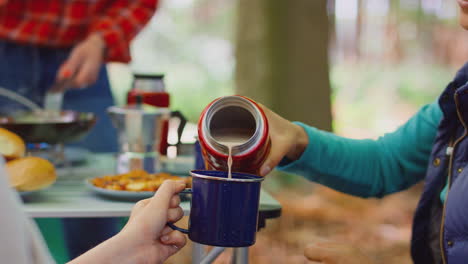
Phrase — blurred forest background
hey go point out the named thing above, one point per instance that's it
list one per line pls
(358, 67)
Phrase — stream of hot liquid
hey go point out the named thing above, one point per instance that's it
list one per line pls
(231, 141)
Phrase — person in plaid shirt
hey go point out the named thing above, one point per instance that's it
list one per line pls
(43, 42)
(98, 30)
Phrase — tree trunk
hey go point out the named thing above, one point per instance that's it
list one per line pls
(359, 28)
(282, 58)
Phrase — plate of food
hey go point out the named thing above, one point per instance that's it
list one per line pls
(134, 185)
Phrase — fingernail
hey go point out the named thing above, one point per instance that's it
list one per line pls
(165, 238)
(265, 170)
(66, 73)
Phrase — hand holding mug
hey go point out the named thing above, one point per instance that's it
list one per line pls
(147, 228)
(145, 238)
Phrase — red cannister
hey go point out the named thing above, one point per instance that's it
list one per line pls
(230, 117)
(152, 91)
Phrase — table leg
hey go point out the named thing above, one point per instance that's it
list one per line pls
(212, 255)
(240, 255)
(198, 252)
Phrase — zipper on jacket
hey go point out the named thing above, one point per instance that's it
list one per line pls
(441, 232)
(449, 182)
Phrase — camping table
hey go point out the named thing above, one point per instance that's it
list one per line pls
(70, 197)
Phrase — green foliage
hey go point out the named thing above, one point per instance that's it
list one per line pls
(190, 42)
(422, 84)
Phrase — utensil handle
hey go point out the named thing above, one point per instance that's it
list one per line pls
(19, 99)
(171, 225)
(181, 127)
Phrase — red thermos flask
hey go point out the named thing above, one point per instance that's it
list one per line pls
(229, 116)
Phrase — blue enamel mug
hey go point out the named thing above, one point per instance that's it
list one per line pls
(224, 212)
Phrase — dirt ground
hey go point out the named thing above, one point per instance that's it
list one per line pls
(381, 228)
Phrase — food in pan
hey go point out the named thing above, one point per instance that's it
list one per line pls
(49, 126)
(136, 181)
(30, 173)
(38, 117)
(11, 145)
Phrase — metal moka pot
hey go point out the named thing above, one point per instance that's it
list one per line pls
(139, 132)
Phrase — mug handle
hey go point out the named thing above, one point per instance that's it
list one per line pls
(171, 225)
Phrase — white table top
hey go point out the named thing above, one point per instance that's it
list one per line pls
(70, 197)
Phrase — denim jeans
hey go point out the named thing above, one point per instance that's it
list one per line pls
(30, 71)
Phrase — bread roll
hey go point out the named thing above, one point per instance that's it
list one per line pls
(11, 145)
(30, 173)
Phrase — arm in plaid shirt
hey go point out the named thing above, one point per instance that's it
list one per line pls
(64, 23)
(120, 24)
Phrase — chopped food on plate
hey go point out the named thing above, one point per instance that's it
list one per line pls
(136, 181)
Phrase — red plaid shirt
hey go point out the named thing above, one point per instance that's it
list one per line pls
(64, 23)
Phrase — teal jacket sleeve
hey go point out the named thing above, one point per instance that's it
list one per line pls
(370, 168)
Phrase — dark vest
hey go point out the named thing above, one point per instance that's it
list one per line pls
(449, 159)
